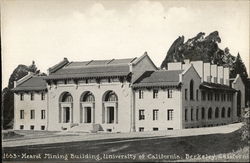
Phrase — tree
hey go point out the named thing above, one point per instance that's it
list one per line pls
(239, 68)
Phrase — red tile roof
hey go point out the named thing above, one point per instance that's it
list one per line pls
(35, 83)
(159, 78)
(94, 68)
(215, 86)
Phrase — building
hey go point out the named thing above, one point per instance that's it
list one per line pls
(126, 95)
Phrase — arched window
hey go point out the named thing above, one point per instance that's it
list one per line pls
(223, 113)
(191, 89)
(111, 96)
(66, 97)
(216, 112)
(229, 112)
(88, 97)
(210, 113)
(203, 113)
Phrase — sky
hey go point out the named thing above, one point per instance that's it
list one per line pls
(47, 31)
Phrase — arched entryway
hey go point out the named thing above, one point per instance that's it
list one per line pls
(110, 107)
(210, 112)
(87, 108)
(66, 108)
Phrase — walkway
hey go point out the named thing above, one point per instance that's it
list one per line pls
(35, 138)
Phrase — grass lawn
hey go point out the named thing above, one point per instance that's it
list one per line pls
(160, 150)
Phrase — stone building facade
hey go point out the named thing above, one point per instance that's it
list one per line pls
(126, 95)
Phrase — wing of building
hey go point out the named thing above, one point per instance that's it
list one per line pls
(125, 95)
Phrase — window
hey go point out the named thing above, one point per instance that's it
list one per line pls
(170, 93)
(141, 115)
(21, 114)
(32, 114)
(86, 81)
(42, 96)
(155, 129)
(42, 127)
(31, 96)
(186, 111)
(155, 114)
(197, 94)
(203, 113)
(217, 97)
(42, 114)
(192, 114)
(170, 114)
(141, 129)
(191, 90)
(170, 128)
(155, 93)
(203, 96)
(210, 113)
(216, 112)
(21, 96)
(21, 127)
(140, 94)
(186, 94)
(229, 112)
(197, 114)
(32, 127)
(223, 113)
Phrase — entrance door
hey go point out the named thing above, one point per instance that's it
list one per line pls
(88, 115)
(66, 117)
(110, 114)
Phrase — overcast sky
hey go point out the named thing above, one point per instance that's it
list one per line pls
(46, 31)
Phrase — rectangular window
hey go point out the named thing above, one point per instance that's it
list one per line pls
(31, 96)
(141, 129)
(155, 114)
(170, 93)
(42, 127)
(32, 127)
(170, 128)
(42, 96)
(155, 129)
(21, 96)
(186, 111)
(21, 127)
(140, 94)
(197, 114)
(21, 114)
(141, 115)
(186, 94)
(197, 94)
(191, 114)
(203, 95)
(32, 114)
(155, 93)
(170, 114)
(42, 114)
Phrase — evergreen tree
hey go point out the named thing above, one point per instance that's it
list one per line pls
(239, 68)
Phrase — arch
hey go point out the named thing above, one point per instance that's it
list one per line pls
(87, 96)
(66, 97)
(65, 108)
(191, 88)
(217, 112)
(110, 107)
(110, 96)
(203, 113)
(223, 113)
(229, 112)
(210, 112)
